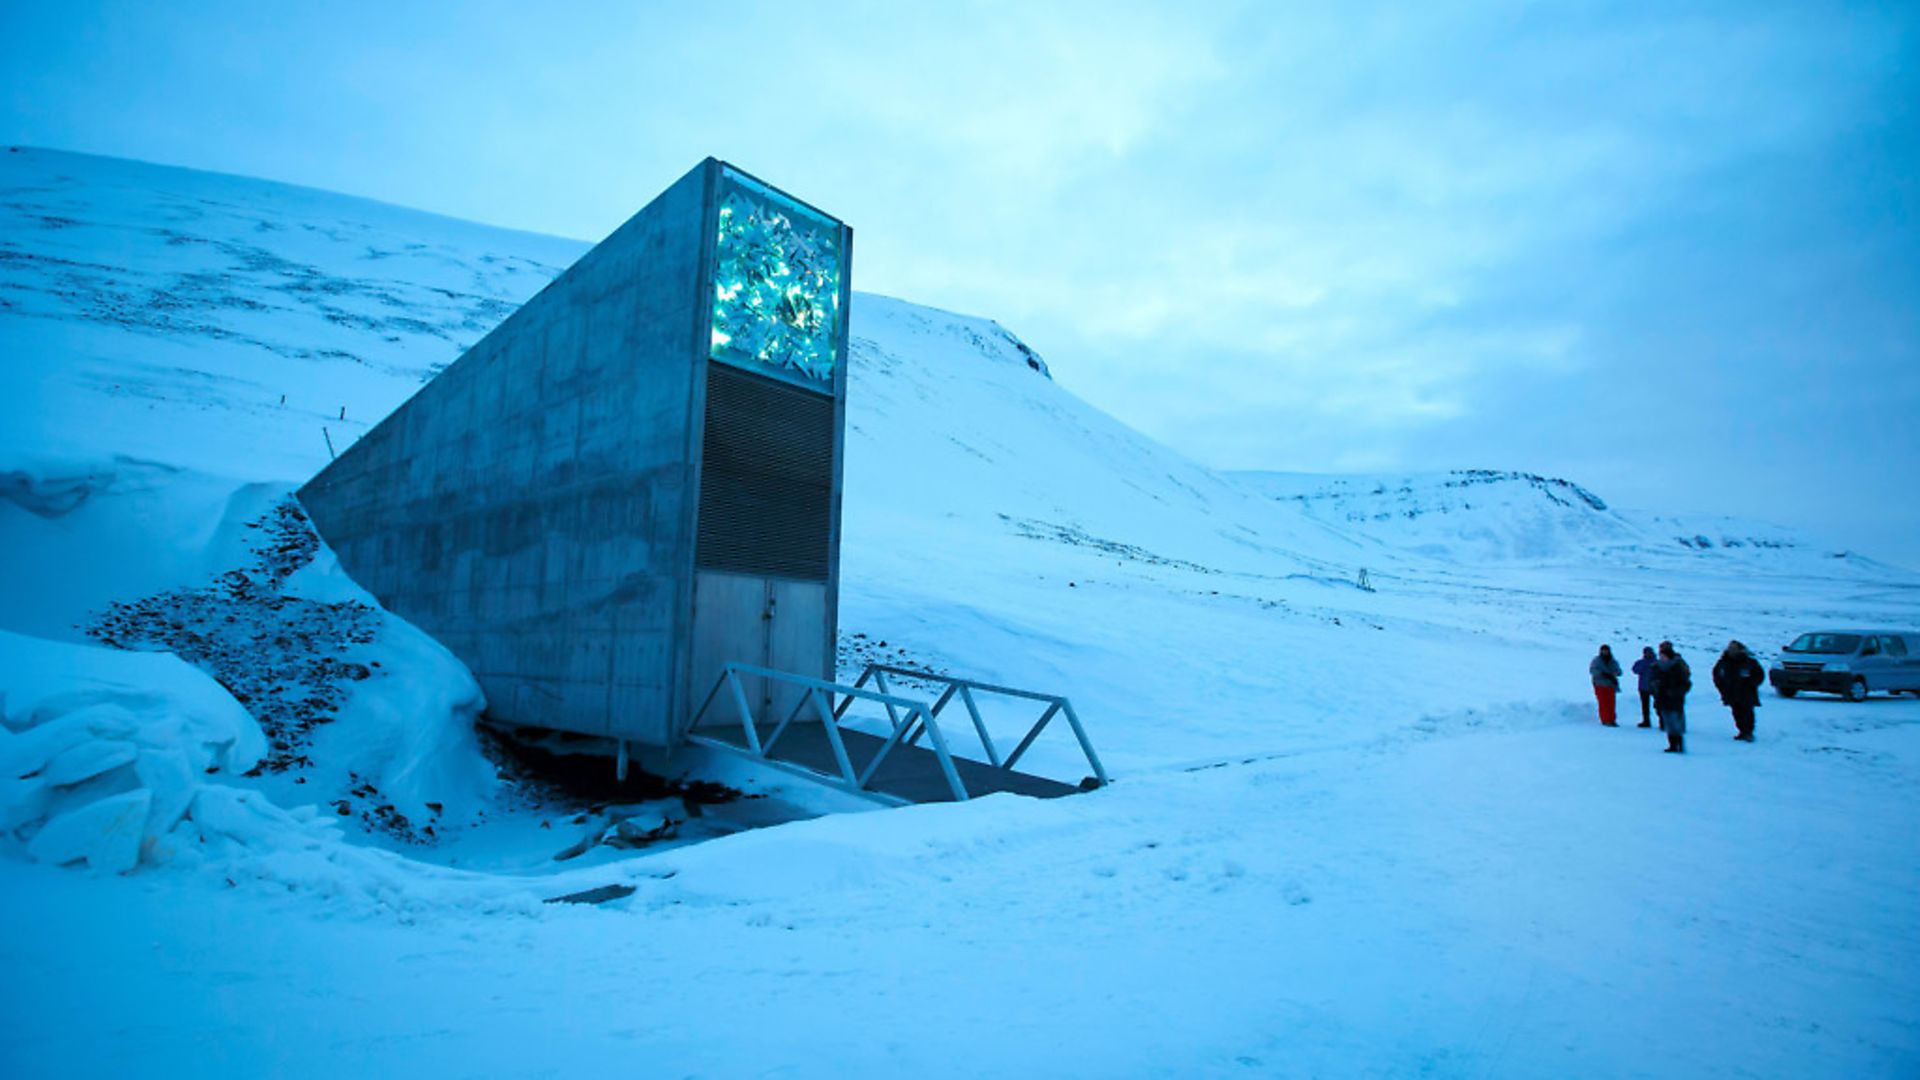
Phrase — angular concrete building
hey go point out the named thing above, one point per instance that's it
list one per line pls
(632, 480)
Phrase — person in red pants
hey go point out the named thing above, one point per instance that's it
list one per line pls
(1606, 682)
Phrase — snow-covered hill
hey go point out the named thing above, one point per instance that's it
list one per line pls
(1357, 829)
(1486, 515)
(217, 323)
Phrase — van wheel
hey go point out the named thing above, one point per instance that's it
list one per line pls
(1857, 690)
(1785, 691)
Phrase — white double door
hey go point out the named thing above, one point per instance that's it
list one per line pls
(769, 622)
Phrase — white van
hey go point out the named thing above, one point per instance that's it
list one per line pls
(1851, 663)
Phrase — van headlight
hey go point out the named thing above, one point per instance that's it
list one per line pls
(1837, 665)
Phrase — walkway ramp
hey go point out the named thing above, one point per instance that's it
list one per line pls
(913, 761)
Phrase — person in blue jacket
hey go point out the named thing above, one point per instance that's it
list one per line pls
(1643, 670)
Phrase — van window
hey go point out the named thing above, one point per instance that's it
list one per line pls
(1893, 646)
(1833, 644)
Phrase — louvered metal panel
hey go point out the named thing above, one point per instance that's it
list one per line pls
(766, 478)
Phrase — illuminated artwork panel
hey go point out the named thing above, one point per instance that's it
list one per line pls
(778, 268)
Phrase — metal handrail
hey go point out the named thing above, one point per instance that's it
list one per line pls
(919, 718)
(1057, 704)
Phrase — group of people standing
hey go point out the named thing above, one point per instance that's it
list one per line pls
(1664, 680)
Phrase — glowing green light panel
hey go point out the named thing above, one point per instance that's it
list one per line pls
(776, 284)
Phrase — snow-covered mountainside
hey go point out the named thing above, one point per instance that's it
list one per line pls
(1363, 823)
(215, 323)
(1480, 515)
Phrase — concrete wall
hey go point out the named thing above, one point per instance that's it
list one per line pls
(532, 507)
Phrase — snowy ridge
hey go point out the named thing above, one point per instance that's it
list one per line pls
(1486, 515)
(1479, 514)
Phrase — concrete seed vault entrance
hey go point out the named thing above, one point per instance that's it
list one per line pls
(628, 495)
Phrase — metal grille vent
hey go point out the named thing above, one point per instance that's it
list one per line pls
(766, 478)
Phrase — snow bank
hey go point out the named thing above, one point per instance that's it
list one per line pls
(114, 760)
(103, 753)
(346, 706)
(408, 729)
(52, 487)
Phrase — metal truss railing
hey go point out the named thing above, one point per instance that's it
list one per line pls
(820, 694)
(963, 690)
(909, 719)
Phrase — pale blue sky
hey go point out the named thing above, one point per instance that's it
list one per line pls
(1665, 250)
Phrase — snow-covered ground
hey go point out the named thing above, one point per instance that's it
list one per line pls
(1357, 831)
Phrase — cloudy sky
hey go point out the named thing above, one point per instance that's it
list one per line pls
(1666, 250)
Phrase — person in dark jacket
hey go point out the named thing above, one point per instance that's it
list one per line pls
(1605, 671)
(1738, 677)
(1672, 678)
(1643, 673)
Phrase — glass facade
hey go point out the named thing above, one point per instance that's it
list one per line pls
(777, 272)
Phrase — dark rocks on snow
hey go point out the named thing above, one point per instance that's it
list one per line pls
(857, 650)
(376, 814)
(281, 656)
